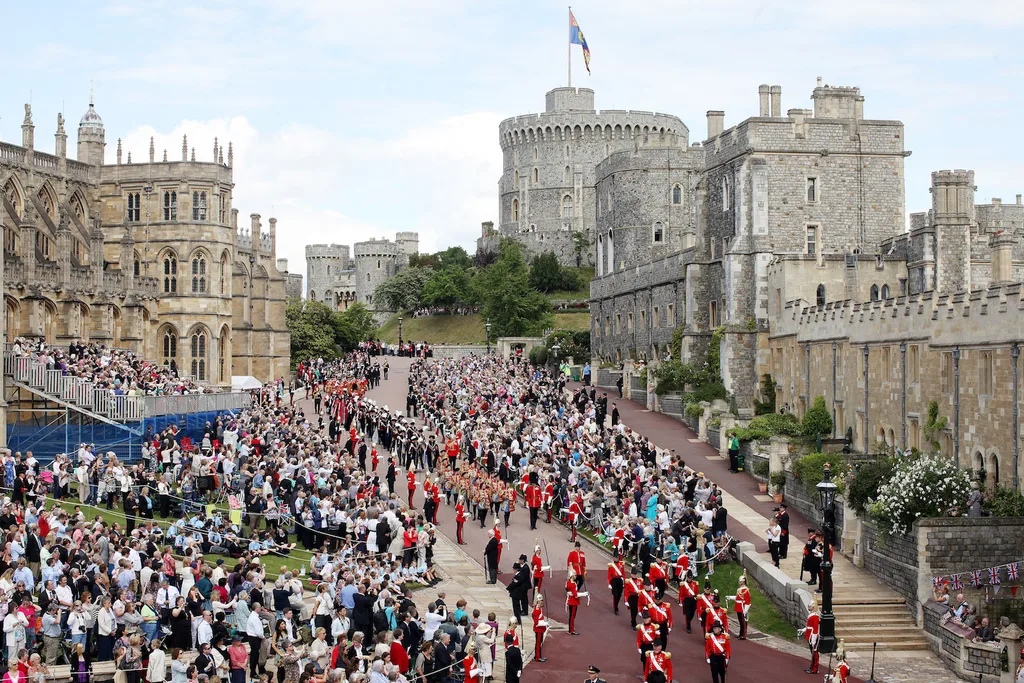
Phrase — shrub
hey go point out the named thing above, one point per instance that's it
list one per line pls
(708, 392)
(817, 420)
(810, 470)
(693, 411)
(763, 427)
(1005, 502)
(930, 486)
(864, 481)
(676, 345)
(715, 422)
(538, 355)
(761, 469)
(778, 480)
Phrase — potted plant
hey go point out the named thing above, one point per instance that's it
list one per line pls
(761, 470)
(778, 480)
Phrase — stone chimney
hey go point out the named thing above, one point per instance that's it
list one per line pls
(762, 99)
(716, 123)
(776, 96)
(1001, 244)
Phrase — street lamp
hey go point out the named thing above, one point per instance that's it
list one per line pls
(399, 335)
(554, 352)
(488, 327)
(827, 498)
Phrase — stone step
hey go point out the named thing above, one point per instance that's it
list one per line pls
(895, 629)
(888, 638)
(866, 646)
(866, 600)
(896, 613)
(849, 623)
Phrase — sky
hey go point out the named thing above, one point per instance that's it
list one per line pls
(353, 120)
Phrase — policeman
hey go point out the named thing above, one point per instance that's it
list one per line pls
(592, 675)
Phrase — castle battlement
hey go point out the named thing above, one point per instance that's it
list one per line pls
(375, 248)
(608, 124)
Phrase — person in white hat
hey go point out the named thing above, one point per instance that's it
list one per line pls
(484, 639)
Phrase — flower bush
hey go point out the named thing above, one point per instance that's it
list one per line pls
(921, 488)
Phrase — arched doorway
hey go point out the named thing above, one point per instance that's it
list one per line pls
(225, 355)
(992, 468)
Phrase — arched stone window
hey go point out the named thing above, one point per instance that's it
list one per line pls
(535, 177)
(199, 354)
(659, 233)
(134, 213)
(874, 292)
(199, 206)
(515, 209)
(170, 206)
(677, 194)
(567, 176)
(821, 295)
(168, 346)
(885, 291)
(566, 206)
(199, 274)
(170, 274)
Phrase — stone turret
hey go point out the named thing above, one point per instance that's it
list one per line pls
(91, 137)
(953, 212)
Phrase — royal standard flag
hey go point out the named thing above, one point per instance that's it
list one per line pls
(576, 38)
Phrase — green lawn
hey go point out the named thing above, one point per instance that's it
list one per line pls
(463, 329)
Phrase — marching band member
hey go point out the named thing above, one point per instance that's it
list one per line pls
(705, 603)
(689, 589)
(810, 632)
(658, 575)
(717, 651)
(661, 614)
(646, 635)
(460, 519)
(631, 594)
(716, 615)
(658, 665)
(540, 628)
(576, 564)
(616, 581)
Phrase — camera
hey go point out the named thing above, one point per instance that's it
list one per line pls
(776, 509)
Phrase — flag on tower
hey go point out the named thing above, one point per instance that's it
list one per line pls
(576, 38)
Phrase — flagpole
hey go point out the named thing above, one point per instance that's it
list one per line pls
(570, 46)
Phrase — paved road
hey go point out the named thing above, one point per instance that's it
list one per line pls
(606, 640)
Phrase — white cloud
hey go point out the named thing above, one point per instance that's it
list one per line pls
(323, 186)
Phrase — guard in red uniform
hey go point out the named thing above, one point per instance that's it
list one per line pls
(742, 607)
(538, 568)
(436, 497)
(682, 566)
(841, 673)
(705, 603)
(631, 594)
(717, 651)
(573, 519)
(497, 535)
(540, 628)
(716, 615)
(460, 519)
(689, 590)
(549, 498)
(577, 565)
(616, 581)
(572, 602)
(658, 665)
(661, 614)
(810, 633)
(472, 670)
(533, 499)
(658, 575)
(411, 477)
(646, 636)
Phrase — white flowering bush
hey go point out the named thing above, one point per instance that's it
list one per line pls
(920, 488)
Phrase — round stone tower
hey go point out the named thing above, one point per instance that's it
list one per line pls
(375, 261)
(408, 244)
(546, 191)
(323, 263)
(91, 137)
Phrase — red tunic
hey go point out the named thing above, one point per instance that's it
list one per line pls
(460, 513)
(717, 645)
(412, 481)
(646, 634)
(811, 629)
(688, 589)
(533, 497)
(571, 593)
(659, 661)
(538, 616)
(616, 570)
(742, 598)
(537, 563)
(469, 664)
(577, 561)
(661, 614)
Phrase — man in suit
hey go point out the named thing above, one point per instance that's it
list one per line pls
(513, 660)
(784, 524)
(491, 557)
(519, 588)
(615, 414)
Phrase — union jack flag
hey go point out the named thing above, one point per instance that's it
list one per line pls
(976, 578)
(993, 576)
(958, 583)
(936, 582)
(1011, 571)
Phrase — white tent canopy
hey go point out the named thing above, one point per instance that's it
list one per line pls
(244, 382)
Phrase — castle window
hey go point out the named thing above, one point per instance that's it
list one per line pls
(726, 192)
(812, 190)
(713, 314)
(671, 312)
(378, 264)
(535, 176)
(677, 194)
(515, 179)
(10, 241)
(367, 277)
(199, 275)
(199, 355)
(134, 207)
(566, 206)
(629, 322)
(659, 233)
(643, 320)
(618, 324)
(535, 153)
(567, 176)
(986, 372)
(515, 209)
(170, 275)
(820, 295)
(170, 206)
(885, 291)
(170, 347)
(946, 372)
(223, 208)
(135, 268)
(913, 355)
(328, 270)
(199, 206)
(812, 240)
(874, 293)
(656, 318)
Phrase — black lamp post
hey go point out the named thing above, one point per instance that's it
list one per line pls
(554, 352)
(827, 498)
(399, 335)
(488, 328)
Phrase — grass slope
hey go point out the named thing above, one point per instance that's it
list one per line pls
(462, 329)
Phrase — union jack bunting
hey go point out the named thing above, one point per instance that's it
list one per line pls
(993, 576)
(976, 578)
(958, 583)
(1011, 571)
(936, 582)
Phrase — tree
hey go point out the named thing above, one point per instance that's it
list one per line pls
(447, 287)
(580, 243)
(311, 330)
(817, 421)
(402, 292)
(933, 426)
(353, 325)
(509, 303)
(418, 260)
(453, 257)
(484, 258)
(545, 272)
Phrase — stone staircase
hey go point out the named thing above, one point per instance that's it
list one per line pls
(874, 619)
